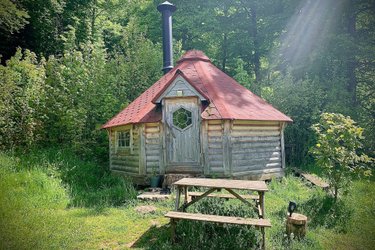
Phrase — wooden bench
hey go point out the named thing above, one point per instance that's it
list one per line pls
(174, 216)
(214, 185)
(315, 180)
(224, 196)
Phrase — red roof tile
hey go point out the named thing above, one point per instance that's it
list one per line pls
(227, 98)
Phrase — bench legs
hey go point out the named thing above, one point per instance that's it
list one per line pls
(263, 238)
(173, 230)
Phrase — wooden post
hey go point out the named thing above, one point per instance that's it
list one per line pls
(296, 224)
(204, 148)
(173, 230)
(263, 238)
(227, 153)
(178, 189)
(185, 197)
(142, 150)
(282, 143)
(162, 148)
(261, 203)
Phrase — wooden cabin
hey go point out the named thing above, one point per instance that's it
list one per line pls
(197, 120)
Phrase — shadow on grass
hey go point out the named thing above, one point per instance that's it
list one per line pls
(198, 235)
(324, 211)
(155, 238)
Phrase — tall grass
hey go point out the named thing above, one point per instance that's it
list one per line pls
(89, 184)
(37, 188)
(31, 204)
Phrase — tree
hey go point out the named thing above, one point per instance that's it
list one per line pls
(22, 89)
(12, 18)
(338, 150)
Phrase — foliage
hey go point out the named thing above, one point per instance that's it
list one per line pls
(66, 99)
(112, 48)
(303, 101)
(22, 100)
(12, 18)
(338, 150)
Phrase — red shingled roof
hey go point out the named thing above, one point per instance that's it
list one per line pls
(227, 98)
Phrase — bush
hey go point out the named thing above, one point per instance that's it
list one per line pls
(338, 150)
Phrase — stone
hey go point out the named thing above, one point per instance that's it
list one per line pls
(153, 196)
(145, 209)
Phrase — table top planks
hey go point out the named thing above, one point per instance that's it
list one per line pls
(223, 183)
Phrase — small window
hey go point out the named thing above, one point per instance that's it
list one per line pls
(182, 118)
(123, 139)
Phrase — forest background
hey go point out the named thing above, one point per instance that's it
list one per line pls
(67, 66)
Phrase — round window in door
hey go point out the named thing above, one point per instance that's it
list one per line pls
(182, 118)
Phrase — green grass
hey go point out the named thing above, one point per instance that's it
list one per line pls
(50, 199)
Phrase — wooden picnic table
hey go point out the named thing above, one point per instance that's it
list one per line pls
(212, 185)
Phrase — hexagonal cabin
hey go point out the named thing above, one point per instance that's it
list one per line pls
(197, 120)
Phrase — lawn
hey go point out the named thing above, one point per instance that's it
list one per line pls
(46, 203)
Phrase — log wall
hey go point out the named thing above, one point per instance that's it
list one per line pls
(256, 147)
(230, 149)
(242, 148)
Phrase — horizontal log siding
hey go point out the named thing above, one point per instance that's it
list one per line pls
(215, 132)
(153, 150)
(255, 146)
(125, 160)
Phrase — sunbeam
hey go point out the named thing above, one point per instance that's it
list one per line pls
(307, 29)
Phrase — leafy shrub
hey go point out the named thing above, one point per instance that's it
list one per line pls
(338, 150)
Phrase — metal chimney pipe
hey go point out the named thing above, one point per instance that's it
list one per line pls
(166, 10)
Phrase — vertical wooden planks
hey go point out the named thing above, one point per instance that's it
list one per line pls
(204, 148)
(152, 147)
(142, 150)
(110, 147)
(162, 152)
(183, 142)
(215, 150)
(227, 154)
(282, 127)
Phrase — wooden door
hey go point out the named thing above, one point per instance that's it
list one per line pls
(182, 121)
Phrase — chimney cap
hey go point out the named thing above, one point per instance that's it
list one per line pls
(166, 6)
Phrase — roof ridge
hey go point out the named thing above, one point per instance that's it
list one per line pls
(193, 55)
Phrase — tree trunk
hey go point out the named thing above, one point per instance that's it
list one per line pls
(225, 51)
(335, 192)
(92, 22)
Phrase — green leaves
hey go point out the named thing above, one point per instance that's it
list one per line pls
(12, 18)
(338, 151)
(22, 88)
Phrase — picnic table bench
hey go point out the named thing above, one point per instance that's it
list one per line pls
(217, 185)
